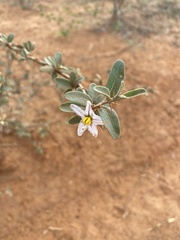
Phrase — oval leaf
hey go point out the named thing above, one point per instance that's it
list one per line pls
(110, 120)
(78, 98)
(24, 54)
(50, 61)
(32, 46)
(92, 93)
(115, 77)
(134, 93)
(103, 90)
(10, 38)
(78, 80)
(54, 75)
(64, 83)
(75, 120)
(65, 107)
(72, 77)
(48, 69)
(96, 98)
(58, 58)
(27, 45)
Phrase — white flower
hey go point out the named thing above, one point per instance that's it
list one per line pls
(89, 119)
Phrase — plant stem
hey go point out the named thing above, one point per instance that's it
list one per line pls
(18, 48)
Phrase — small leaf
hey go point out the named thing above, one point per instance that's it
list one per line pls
(4, 38)
(58, 58)
(50, 61)
(79, 79)
(134, 93)
(48, 69)
(103, 90)
(78, 97)
(96, 97)
(75, 82)
(64, 83)
(72, 77)
(32, 46)
(10, 37)
(65, 107)
(115, 77)
(26, 45)
(24, 54)
(54, 75)
(29, 46)
(110, 120)
(91, 91)
(75, 120)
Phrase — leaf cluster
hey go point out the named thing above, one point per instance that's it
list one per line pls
(69, 80)
(102, 98)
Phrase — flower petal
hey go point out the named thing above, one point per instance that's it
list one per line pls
(88, 109)
(97, 120)
(77, 110)
(93, 130)
(81, 128)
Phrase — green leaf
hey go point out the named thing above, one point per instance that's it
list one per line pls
(58, 58)
(75, 120)
(10, 37)
(47, 69)
(32, 46)
(93, 94)
(103, 90)
(26, 45)
(96, 97)
(79, 79)
(4, 38)
(50, 61)
(65, 107)
(116, 76)
(78, 98)
(29, 46)
(110, 120)
(72, 77)
(54, 75)
(24, 54)
(64, 83)
(134, 93)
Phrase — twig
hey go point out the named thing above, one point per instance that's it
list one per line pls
(18, 48)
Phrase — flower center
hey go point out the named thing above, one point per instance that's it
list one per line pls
(87, 120)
